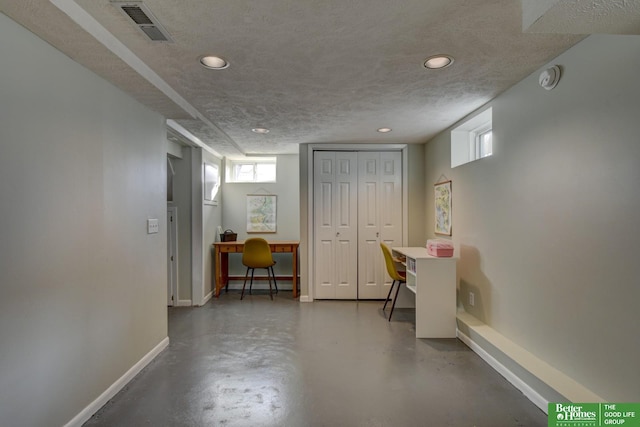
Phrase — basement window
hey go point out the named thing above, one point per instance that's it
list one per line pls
(263, 170)
(473, 139)
(484, 144)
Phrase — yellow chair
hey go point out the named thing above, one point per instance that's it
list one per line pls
(257, 254)
(397, 277)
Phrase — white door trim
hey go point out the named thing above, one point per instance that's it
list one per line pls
(172, 248)
(310, 196)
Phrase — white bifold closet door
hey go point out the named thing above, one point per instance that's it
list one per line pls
(357, 205)
(335, 182)
(379, 219)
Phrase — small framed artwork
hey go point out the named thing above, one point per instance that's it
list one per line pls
(442, 192)
(261, 213)
(211, 183)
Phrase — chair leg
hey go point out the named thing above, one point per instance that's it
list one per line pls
(388, 295)
(253, 270)
(394, 300)
(245, 283)
(274, 278)
(270, 290)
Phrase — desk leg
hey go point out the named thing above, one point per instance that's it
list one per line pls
(295, 272)
(214, 282)
(218, 272)
(224, 269)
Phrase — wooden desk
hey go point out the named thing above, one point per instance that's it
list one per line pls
(221, 251)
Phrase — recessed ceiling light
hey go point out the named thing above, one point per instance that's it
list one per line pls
(213, 62)
(438, 61)
(384, 130)
(260, 130)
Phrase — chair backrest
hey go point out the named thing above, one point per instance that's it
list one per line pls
(257, 253)
(391, 266)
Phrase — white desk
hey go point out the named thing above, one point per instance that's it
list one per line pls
(433, 280)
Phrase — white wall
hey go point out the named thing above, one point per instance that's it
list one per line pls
(197, 237)
(211, 219)
(182, 200)
(416, 189)
(82, 167)
(197, 222)
(234, 212)
(304, 206)
(548, 226)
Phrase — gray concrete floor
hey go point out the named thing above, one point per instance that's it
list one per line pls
(258, 362)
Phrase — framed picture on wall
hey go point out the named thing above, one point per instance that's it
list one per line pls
(211, 183)
(261, 213)
(442, 195)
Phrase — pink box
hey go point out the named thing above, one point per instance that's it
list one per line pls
(440, 247)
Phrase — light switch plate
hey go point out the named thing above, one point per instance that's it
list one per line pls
(152, 226)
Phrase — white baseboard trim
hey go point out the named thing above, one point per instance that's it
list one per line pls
(536, 374)
(184, 303)
(517, 382)
(207, 298)
(94, 406)
(305, 298)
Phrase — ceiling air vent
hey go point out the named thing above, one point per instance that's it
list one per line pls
(142, 17)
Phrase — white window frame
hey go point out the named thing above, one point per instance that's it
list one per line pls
(211, 183)
(232, 164)
(475, 140)
(466, 139)
(480, 150)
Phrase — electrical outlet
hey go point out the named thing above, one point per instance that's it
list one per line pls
(472, 299)
(152, 226)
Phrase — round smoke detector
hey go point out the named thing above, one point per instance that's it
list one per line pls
(550, 77)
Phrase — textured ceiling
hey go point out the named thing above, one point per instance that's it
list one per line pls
(589, 17)
(316, 71)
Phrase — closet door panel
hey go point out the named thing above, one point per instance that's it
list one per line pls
(380, 216)
(391, 194)
(335, 225)
(369, 270)
(345, 268)
(324, 278)
(324, 227)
